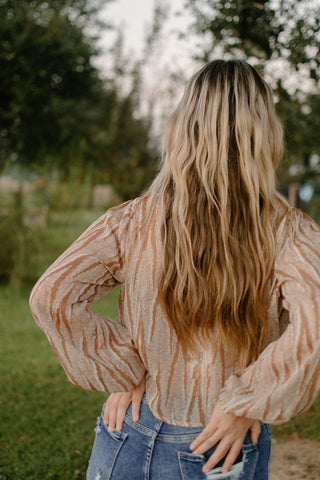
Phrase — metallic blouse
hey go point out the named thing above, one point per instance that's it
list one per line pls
(182, 389)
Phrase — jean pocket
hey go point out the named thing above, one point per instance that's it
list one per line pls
(191, 466)
(235, 473)
(105, 451)
(243, 470)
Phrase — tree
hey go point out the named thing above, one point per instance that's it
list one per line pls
(282, 40)
(45, 83)
(56, 110)
(133, 155)
(119, 148)
(262, 30)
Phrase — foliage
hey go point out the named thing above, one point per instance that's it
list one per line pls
(130, 159)
(17, 242)
(9, 240)
(27, 247)
(68, 196)
(131, 149)
(120, 149)
(262, 29)
(46, 79)
(282, 40)
(56, 111)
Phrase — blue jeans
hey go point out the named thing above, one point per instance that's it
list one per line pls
(154, 450)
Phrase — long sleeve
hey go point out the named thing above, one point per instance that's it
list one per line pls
(285, 379)
(96, 353)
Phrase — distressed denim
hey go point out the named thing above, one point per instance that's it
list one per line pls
(154, 450)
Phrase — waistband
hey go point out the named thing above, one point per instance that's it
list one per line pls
(151, 426)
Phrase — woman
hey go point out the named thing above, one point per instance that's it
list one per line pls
(219, 314)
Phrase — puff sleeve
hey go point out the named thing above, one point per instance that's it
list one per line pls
(96, 352)
(285, 379)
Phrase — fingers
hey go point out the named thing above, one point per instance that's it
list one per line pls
(115, 410)
(227, 432)
(117, 406)
(107, 409)
(110, 412)
(122, 410)
(136, 403)
(137, 394)
(205, 441)
(224, 450)
(255, 432)
(232, 456)
(207, 435)
(228, 447)
(106, 416)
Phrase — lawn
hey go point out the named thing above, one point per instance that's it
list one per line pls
(46, 423)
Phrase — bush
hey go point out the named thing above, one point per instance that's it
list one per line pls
(18, 243)
(315, 210)
(16, 239)
(9, 242)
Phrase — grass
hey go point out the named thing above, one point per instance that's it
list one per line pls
(62, 229)
(46, 423)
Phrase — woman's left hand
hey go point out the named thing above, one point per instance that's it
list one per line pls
(228, 431)
(118, 403)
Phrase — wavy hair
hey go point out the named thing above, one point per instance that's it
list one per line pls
(217, 186)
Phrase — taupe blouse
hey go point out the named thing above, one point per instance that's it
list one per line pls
(100, 354)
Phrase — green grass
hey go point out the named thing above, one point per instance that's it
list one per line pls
(305, 426)
(46, 423)
(47, 243)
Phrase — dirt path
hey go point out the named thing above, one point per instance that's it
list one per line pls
(295, 460)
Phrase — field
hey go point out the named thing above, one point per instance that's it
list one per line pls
(46, 424)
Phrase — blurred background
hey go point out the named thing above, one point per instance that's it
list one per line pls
(86, 87)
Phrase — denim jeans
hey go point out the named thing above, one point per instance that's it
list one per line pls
(154, 450)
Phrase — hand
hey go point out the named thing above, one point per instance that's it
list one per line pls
(118, 403)
(229, 432)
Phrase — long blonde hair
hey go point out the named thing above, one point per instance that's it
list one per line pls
(217, 186)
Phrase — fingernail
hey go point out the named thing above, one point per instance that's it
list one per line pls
(135, 419)
(110, 429)
(205, 469)
(191, 446)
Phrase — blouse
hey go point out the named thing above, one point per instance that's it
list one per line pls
(124, 247)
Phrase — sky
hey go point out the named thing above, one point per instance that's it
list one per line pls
(171, 59)
(136, 15)
(132, 15)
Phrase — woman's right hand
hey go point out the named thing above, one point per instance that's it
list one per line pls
(118, 403)
(227, 431)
